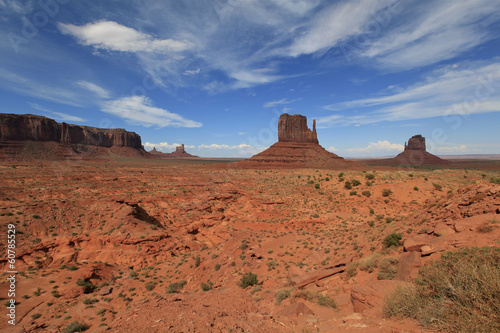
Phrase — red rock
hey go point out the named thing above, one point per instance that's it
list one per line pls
(179, 152)
(372, 294)
(408, 266)
(416, 242)
(297, 147)
(294, 310)
(442, 229)
(415, 154)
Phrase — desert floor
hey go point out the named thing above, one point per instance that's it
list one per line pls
(106, 243)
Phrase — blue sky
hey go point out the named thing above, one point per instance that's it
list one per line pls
(216, 75)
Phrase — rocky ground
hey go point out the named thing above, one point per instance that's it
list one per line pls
(158, 245)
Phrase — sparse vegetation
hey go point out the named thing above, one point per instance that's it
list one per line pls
(392, 240)
(458, 293)
(386, 192)
(175, 287)
(75, 327)
(248, 279)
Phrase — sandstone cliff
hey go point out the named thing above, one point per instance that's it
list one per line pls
(297, 147)
(20, 133)
(293, 128)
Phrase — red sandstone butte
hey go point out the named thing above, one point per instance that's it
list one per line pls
(179, 152)
(297, 147)
(415, 153)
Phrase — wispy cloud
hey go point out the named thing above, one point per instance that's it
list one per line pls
(92, 87)
(282, 101)
(453, 90)
(112, 36)
(56, 115)
(139, 110)
(436, 31)
(34, 88)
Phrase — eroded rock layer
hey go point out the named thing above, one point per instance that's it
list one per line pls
(40, 137)
(297, 147)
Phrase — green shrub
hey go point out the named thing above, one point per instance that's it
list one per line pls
(366, 193)
(326, 301)
(356, 182)
(316, 186)
(416, 188)
(386, 192)
(392, 240)
(353, 192)
(150, 285)
(437, 186)
(88, 287)
(197, 261)
(248, 279)
(457, 293)
(370, 176)
(281, 295)
(75, 327)
(347, 185)
(175, 287)
(36, 316)
(216, 267)
(206, 286)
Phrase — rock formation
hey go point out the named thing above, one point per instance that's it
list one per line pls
(415, 153)
(294, 129)
(18, 131)
(297, 147)
(178, 153)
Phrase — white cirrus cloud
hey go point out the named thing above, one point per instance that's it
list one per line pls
(112, 36)
(139, 110)
(92, 87)
(282, 101)
(56, 115)
(457, 90)
(215, 146)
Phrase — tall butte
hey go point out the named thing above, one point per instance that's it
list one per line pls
(297, 147)
(415, 153)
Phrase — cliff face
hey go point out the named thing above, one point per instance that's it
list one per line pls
(15, 127)
(293, 128)
(416, 142)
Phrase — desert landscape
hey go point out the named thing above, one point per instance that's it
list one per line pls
(263, 166)
(135, 243)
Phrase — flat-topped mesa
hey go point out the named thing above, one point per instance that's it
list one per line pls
(416, 142)
(293, 128)
(14, 127)
(180, 149)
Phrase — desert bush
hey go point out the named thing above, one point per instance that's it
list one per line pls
(150, 285)
(457, 293)
(486, 227)
(216, 267)
(281, 295)
(392, 240)
(207, 286)
(355, 182)
(370, 176)
(326, 301)
(248, 279)
(175, 287)
(368, 264)
(387, 268)
(316, 186)
(75, 327)
(386, 192)
(353, 192)
(437, 186)
(416, 188)
(341, 175)
(366, 193)
(88, 287)
(36, 316)
(351, 269)
(347, 185)
(197, 261)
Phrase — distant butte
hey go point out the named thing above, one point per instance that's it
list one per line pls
(297, 147)
(179, 152)
(415, 153)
